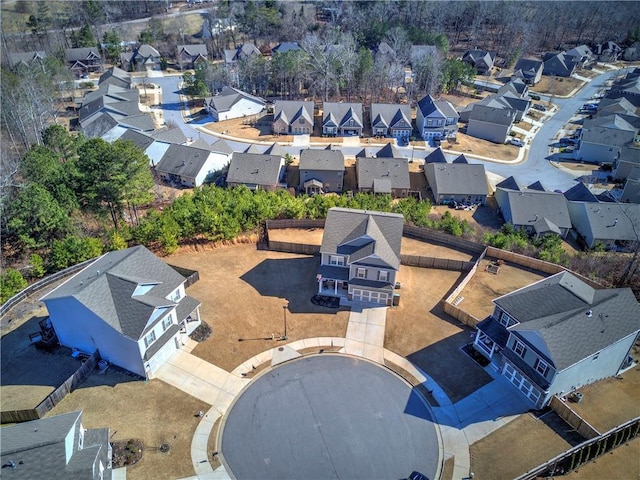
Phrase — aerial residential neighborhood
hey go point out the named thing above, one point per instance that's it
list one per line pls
(382, 240)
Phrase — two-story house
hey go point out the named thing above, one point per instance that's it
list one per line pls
(129, 305)
(56, 447)
(292, 117)
(83, 61)
(143, 58)
(342, 119)
(383, 175)
(233, 103)
(360, 254)
(559, 334)
(256, 171)
(190, 55)
(388, 120)
(529, 70)
(321, 171)
(436, 119)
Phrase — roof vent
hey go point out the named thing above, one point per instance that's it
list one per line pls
(589, 313)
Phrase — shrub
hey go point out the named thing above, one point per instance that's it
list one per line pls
(11, 282)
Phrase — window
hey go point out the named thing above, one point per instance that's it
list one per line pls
(334, 260)
(167, 322)
(429, 123)
(361, 273)
(541, 367)
(149, 338)
(383, 276)
(506, 320)
(519, 348)
(301, 121)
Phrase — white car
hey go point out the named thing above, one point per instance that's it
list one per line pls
(516, 142)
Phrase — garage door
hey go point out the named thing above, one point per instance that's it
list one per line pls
(367, 296)
(522, 384)
(162, 355)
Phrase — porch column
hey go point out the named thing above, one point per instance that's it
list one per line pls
(493, 349)
(319, 279)
(335, 287)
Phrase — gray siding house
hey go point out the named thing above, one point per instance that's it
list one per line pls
(342, 119)
(383, 175)
(532, 208)
(528, 70)
(389, 120)
(559, 334)
(603, 137)
(292, 117)
(615, 225)
(256, 171)
(459, 182)
(55, 448)
(360, 253)
(321, 171)
(436, 119)
(491, 123)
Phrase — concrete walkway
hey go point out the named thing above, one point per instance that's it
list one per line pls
(365, 332)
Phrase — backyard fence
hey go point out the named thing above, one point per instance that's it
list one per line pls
(294, 223)
(426, 234)
(433, 262)
(289, 247)
(191, 276)
(55, 397)
(40, 284)
(450, 303)
(578, 423)
(586, 451)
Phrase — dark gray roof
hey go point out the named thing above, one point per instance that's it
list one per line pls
(199, 49)
(316, 159)
(228, 97)
(221, 146)
(395, 171)
(141, 140)
(431, 107)
(116, 76)
(389, 151)
(170, 135)
(255, 169)
(580, 193)
(437, 156)
(510, 184)
(340, 113)
(290, 111)
(537, 186)
(529, 67)
(38, 450)
(458, 178)
(498, 116)
(460, 159)
(529, 206)
(142, 122)
(107, 285)
(573, 319)
(285, 47)
(275, 149)
(243, 51)
(27, 57)
(112, 93)
(353, 232)
(183, 161)
(612, 221)
(631, 190)
(480, 59)
(80, 54)
(388, 115)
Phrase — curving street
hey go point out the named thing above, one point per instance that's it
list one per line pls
(533, 167)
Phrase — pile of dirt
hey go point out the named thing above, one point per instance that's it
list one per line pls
(127, 452)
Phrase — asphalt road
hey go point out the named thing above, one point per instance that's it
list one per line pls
(329, 417)
(534, 167)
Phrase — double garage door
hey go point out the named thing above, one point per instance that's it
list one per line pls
(367, 296)
(521, 383)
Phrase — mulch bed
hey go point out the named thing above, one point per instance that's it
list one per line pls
(201, 333)
(475, 355)
(326, 301)
(127, 452)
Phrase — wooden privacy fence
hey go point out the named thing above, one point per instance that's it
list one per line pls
(433, 262)
(293, 223)
(289, 247)
(586, 451)
(450, 304)
(55, 397)
(578, 423)
(40, 284)
(426, 234)
(191, 276)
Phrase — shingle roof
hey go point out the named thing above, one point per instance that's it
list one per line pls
(612, 221)
(390, 114)
(631, 190)
(26, 57)
(228, 97)
(573, 319)
(442, 108)
(291, 111)
(580, 193)
(316, 159)
(170, 135)
(497, 116)
(529, 67)
(38, 449)
(285, 47)
(437, 156)
(378, 172)
(141, 140)
(342, 112)
(116, 76)
(529, 206)
(79, 54)
(107, 285)
(376, 236)
(458, 178)
(194, 50)
(255, 169)
(183, 161)
(389, 151)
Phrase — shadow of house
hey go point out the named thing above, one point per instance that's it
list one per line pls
(293, 279)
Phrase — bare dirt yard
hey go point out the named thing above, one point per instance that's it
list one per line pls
(556, 85)
(243, 293)
(485, 286)
(151, 411)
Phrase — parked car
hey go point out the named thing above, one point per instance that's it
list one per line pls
(417, 476)
(539, 107)
(533, 96)
(567, 141)
(516, 142)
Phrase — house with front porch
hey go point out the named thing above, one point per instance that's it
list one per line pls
(389, 120)
(190, 55)
(321, 170)
(383, 176)
(129, 305)
(558, 335)
(436, 119)
(292, 117)
(189, 166)
(360, 254)
(342, 119)
(83, 61)
(457, 182)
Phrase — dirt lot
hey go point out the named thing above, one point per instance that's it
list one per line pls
(152, 411)
(530, 437)
(243, 291)
(556, 85)
(485, 286)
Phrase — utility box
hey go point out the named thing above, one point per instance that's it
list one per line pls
(396, 299)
